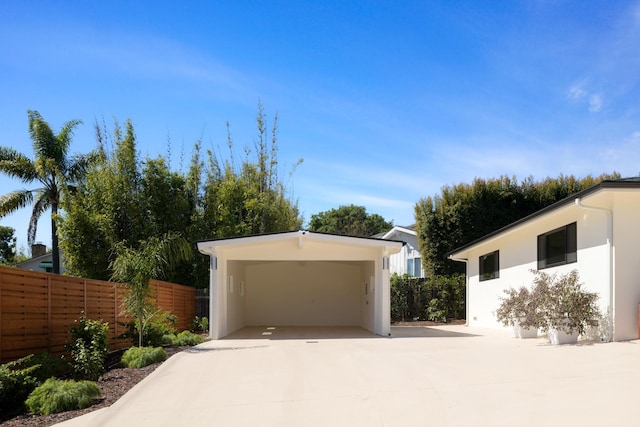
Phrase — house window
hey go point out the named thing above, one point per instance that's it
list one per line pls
(414, 267)
(490, 266)
(558, 247)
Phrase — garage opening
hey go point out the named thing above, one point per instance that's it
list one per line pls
(300, 293)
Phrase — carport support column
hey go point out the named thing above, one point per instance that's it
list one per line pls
(218, 300)
(383, 297)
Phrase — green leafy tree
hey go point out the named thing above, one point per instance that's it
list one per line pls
(465, 212)
(108, 208)
(7, 245)
(52, 168)
(125, 199)
(135, 267)
(250, 198)
(350, 220)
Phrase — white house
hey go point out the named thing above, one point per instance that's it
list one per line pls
(595, 231)
(299, 278)
(408, 260)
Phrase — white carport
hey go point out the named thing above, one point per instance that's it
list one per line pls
(299, 278)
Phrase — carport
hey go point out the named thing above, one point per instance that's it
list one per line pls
(299, 278)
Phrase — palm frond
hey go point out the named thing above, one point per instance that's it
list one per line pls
(80, 164)
(44, 140)
(46, 144)
(17, 165)
(15, 200)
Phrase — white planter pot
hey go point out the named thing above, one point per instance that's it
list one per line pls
(559, 337)
(521, 332)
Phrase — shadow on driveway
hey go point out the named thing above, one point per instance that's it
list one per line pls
(339, 332)
(427, 332)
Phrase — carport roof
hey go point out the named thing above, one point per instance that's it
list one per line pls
(207, 246)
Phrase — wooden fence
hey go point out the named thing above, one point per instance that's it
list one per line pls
(37, 310)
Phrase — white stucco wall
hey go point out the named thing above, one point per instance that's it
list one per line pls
(518, 255)
(367, 300)
(236, 296)
(626, 239)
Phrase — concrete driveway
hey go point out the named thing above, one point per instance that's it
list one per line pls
(425, 376)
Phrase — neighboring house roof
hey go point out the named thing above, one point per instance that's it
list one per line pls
(409, 229)
(35, 261)
(398, 229)
(625, 183)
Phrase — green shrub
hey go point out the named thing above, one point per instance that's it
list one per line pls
(56, 396)
(159, 325)
(89, 347)
(139, 357)
(48, 366)
(437, 298)
(169, 339)
(200, 324)
(17, 380)
(188, 338)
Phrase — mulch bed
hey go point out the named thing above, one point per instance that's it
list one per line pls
(113, 385)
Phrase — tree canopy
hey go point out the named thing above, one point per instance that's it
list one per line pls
(126, 200)
(7, 245)
(52, 169)
(464, 212)
(350, 220)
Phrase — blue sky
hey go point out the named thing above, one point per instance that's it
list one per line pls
(386, 101)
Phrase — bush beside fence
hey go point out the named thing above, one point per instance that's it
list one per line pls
(37, 310)
(436, 298)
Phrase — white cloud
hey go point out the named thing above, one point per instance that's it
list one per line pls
(579, 92)
(576, 92)
(595, 103)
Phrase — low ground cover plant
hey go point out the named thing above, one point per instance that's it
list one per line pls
(55, 396)
(17, 381)
(139, 357)
(184, 338)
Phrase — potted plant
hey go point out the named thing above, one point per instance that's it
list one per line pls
(519, 309)
(566, 309)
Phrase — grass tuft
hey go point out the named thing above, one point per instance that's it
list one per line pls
(55, 396)
(139, 357)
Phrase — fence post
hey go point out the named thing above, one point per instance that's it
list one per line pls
(115, 315)
(49, 321)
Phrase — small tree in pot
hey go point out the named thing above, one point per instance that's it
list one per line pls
(519, 309)
(565, 307)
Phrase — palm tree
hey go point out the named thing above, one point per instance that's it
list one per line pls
(136, 268)
(52, 169)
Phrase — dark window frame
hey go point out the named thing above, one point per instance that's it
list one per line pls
(489, 266)
(558, 246)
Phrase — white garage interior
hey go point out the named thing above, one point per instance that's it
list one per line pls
(299, 278)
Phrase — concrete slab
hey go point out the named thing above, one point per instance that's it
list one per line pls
(441, 376)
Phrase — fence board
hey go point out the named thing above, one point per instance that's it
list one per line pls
(37, 310)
